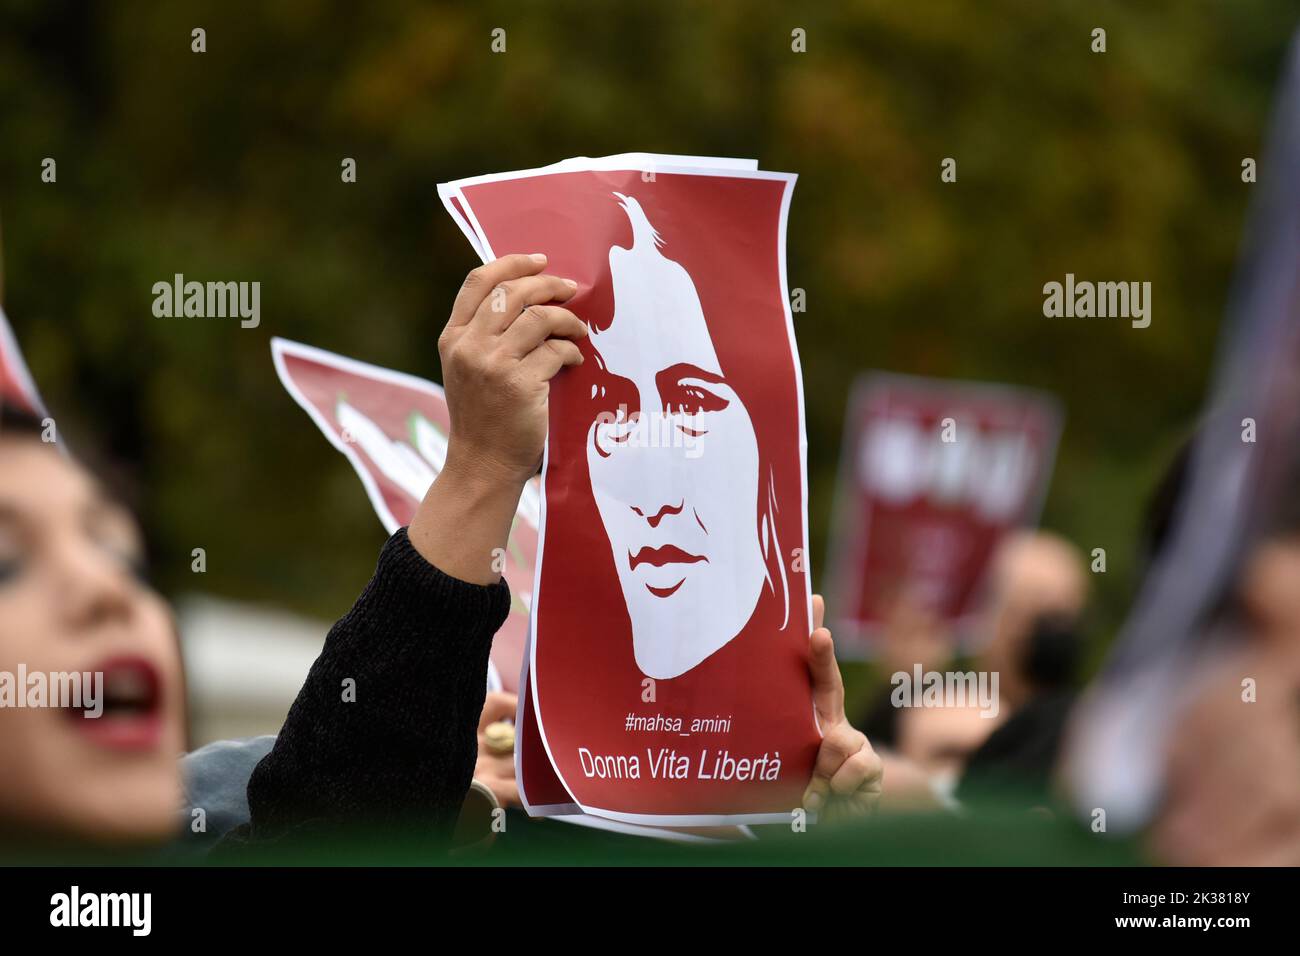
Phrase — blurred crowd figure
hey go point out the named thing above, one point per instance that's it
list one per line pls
(1027, 632)
(1231, 793)
(1038, 595)
(1231, 771)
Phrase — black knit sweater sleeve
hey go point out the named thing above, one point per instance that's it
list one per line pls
(384, 731)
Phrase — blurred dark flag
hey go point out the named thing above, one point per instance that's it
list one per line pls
(1232, 489)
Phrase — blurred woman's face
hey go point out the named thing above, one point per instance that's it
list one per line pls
(71, 601)
(1270, 590)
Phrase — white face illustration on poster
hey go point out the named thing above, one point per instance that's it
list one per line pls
(675, 466)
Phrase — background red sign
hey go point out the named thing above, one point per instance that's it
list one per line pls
(933, 475)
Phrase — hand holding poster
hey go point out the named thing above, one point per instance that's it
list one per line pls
(668, 659)
(393, 429)
(933, 475)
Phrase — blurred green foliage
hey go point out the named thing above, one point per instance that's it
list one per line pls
(1122, 165)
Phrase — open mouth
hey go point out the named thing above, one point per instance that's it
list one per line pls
(131, 699)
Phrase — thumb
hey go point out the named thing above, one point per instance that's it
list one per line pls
(827, 685)
(814, 798)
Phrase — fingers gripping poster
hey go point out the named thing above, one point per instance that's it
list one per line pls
(667, 667)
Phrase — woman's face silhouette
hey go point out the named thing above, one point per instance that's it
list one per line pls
(674, 465)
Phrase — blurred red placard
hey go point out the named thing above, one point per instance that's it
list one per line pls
(933, 474)
(16, 385)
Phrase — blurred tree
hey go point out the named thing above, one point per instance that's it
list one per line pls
(226, 164)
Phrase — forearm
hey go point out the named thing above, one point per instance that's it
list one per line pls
(383, 730)
(463, 524)
(406, 746)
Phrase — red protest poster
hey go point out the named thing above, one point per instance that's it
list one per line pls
(393, 428)
(671, 612)
(16, 385)
(933, 474)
